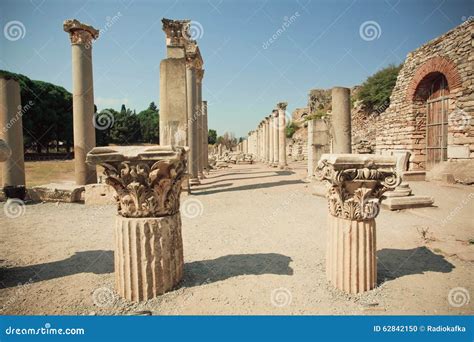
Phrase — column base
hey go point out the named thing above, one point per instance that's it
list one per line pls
(15, 191)
(148, 256)
(194, 181)
(351, 263)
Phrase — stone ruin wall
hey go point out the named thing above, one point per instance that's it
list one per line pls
(402, 125)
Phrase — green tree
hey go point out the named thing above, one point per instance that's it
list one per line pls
(290, 129)
(376, 90)
(46, 113)
(126, 127)
(149, 120)
(212, 136)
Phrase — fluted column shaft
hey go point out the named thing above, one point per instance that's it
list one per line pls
(192, 124)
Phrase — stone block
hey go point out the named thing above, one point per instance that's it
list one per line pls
(99, 194)
(56, 192)
(458, 152)
(395, 203)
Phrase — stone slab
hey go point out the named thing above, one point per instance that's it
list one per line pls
(99, 194)
(414, 176)
(56, 192)
(395, 203)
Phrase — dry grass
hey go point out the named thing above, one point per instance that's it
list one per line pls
(44, 172)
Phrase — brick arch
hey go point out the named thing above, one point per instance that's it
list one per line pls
(441, 65)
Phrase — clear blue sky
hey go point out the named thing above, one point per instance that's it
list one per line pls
(321, 48)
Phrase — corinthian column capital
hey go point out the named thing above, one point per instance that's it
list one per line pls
(356, 183)
(147, 179)
(80, 33)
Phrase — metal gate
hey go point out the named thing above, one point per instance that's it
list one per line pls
(437, 124)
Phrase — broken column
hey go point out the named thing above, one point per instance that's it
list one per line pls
(173, 98)
(341, 120)
(276, 138)
(12, 133)
(318, 143)
(282, 135)
(356, 183)
(148, 242)
(82, 36)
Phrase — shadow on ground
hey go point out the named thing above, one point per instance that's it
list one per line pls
(249, 187)
(208, 271)
(97, 262)
(396, 263)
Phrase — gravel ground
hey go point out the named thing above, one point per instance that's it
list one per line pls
(254, 243)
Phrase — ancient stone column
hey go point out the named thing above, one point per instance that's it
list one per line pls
(276, 139)
(270, 137)
(219, 150)
(192, 123)
(82, 36)
(11, 122)
(264, 140)
(148, 242)
(341, 120)
(173, 98)
(205, 138)
(199, 122)
(356, 183)
(282, 135)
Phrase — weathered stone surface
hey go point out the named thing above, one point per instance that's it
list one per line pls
(148, 256)
(99, 194)
(56, 192)
(5, 151)
(458, 151)
(351, 263)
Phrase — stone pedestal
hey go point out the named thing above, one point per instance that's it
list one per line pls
(318, 143)
(356, 183)
(12, 133)
(148, 242)
(82, 36)
(351, 263)
(148, 256)
(341, 120)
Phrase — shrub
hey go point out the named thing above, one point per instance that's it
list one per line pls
(376, 90)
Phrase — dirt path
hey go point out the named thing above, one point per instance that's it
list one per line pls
(254, 243)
